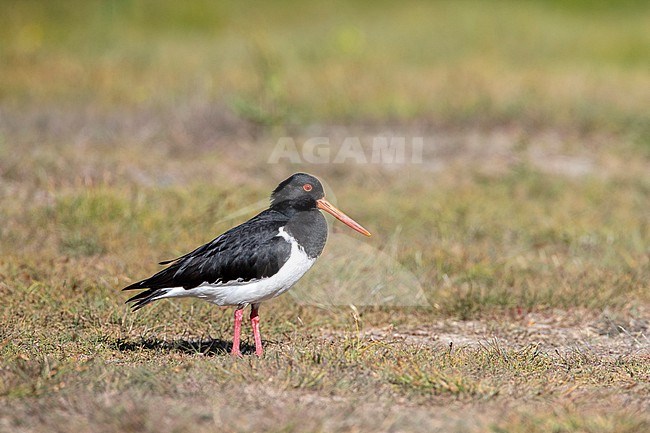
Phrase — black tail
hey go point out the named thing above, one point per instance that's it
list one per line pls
(143, 298)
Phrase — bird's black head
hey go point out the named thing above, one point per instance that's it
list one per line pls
(300, 191)
(303, 192)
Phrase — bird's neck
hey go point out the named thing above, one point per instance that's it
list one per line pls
(309, 229)
(292, 207)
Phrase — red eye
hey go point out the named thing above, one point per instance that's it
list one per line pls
(307, 187)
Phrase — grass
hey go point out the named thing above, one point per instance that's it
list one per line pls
(450, 62)
(505, 288)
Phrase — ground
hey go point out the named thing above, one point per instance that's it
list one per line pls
(506, 284)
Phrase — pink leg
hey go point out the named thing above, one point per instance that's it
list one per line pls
(255, 322)
(239, 315)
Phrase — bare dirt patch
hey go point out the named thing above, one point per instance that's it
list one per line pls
(554, 332)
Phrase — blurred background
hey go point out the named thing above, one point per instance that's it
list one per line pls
(579, 64)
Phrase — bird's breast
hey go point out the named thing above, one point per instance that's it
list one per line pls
(309, 229)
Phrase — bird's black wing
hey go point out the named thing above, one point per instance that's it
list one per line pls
(250, 251)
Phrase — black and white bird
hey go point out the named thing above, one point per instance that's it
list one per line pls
(255, 261)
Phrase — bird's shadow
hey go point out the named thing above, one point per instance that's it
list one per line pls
(210, 347)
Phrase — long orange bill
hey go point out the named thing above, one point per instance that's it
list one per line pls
(327, 207)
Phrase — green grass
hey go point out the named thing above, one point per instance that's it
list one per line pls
(131, 132)
(446, 62)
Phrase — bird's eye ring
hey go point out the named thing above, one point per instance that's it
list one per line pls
(307, 187)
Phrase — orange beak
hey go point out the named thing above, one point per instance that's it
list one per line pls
(327, 207)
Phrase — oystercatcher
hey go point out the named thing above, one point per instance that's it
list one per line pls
(255, 261)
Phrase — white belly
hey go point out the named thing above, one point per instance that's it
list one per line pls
(242, 294)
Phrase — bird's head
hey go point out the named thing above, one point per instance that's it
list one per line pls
(304, 192)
